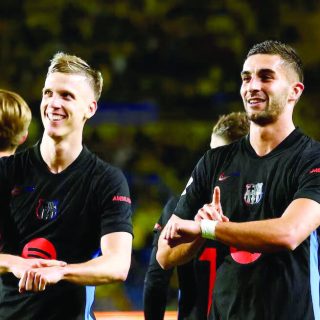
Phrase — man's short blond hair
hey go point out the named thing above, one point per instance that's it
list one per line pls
(15, 118)
(232, 126)
(66, 63)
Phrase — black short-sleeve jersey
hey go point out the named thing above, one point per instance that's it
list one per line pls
(270, 286)
(57, 216)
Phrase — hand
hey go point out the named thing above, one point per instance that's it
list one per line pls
(212, 210)
(36, 279)
(23, 269)
(19, 265)
(181, 231)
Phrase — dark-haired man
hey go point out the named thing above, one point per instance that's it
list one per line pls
(260, 197)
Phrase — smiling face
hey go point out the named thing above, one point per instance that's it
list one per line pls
(67, 102)
(268, 87)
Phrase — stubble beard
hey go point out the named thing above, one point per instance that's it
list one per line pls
(269, 115)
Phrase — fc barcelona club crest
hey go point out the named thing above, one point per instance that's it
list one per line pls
(253, 193)
(47, 210)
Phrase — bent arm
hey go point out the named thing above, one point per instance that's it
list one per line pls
(180, 251)
(298, 221)
(113, 265)
(18, 266)
(287, 232)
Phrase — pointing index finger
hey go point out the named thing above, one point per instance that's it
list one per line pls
(216, 197)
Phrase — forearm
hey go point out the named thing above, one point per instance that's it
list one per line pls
(284, 233)
(98, 271)
(7, 261)
(169, 256)
(255, 236)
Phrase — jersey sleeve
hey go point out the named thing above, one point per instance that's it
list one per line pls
(115, 202)
(197, 190)
(309, 176)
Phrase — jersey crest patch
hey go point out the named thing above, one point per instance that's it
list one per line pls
(47, 210)
(253, 194)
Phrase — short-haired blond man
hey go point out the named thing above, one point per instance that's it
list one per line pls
(67, 213)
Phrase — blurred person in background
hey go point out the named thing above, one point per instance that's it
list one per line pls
(15, 118)
(260, 197)
(65, 213)
(195, 278)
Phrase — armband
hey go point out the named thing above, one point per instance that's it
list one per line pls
(208, 228)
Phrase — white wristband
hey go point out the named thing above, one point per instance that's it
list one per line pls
(208, 228)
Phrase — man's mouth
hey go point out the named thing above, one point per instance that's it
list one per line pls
(255, 101)
(55, 117)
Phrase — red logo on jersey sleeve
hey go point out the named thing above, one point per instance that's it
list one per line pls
(121, 198)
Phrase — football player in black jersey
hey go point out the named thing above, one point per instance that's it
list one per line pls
(65, 213)
(260, 198)
(195, 288)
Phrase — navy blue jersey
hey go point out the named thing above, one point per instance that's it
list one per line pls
(57, 216)
(271, 286)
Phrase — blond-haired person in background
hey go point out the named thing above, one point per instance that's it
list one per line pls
(15, 118)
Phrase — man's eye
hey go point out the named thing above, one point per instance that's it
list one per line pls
(67, 95)
(266, 77)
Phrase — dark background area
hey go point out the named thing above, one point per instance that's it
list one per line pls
(170, 68)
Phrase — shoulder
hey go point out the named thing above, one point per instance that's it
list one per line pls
(220, 154)
(310, 149)
(99, 165)
(306, 157)
(103, 175)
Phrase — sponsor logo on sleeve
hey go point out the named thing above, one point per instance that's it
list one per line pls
(121, 198)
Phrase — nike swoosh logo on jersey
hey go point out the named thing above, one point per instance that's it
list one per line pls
(223, 177)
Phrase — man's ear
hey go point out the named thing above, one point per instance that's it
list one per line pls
(92, 108)
(296, 91)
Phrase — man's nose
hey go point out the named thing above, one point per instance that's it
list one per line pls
(54, 101)
(254, 84)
